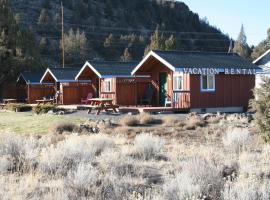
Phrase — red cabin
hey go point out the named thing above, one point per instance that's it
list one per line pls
(199, 81)
(113, 80)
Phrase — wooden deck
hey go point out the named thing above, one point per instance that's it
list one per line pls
(151, 109)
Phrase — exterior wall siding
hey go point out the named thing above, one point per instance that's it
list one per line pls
(230, 91)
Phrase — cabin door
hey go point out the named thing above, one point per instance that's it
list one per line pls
(163, 87)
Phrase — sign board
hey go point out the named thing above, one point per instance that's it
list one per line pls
(228, 71)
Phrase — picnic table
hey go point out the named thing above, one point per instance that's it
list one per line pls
(101, 104)
(44, 101)
(6, 101)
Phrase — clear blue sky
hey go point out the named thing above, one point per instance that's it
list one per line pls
(228, 15)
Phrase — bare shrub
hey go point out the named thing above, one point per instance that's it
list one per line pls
(254, 164)
(173, 121)
(21, 151)
(198, 178)
(63, 127)
(244, 189)
(146, 118)
(148, 146)
(58, 160)
(82, 182)
(236, 139)
(129, 120)
(194, 121)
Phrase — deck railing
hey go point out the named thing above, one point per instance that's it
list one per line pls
(181, 99)
(109, 95)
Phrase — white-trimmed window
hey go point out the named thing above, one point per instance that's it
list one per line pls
(107, 85)
(177, 83)
(208, 83)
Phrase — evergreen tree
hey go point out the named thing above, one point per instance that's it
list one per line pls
(18, 50)
(262, 47)
(75, 45)
(157, 42)
(171, 43)
(43, 44)
(241, 47)
(126, 56)
(43, 17)
(109, 41)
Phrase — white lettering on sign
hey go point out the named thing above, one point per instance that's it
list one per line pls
(229, 71)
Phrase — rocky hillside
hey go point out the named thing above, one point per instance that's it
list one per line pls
(115, 29)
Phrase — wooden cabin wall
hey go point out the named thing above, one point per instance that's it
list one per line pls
(231, 91)
(37, 92)
(11, 91)
(72, 93)
(129, 91)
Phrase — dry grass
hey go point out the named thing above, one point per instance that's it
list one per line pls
(129, 120)
(172, 121)
(64, 127)
(146, 165)
(194, 121)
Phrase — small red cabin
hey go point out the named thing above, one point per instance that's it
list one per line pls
(30, 89)
(67, 90)
(199, 81)
(113, 80)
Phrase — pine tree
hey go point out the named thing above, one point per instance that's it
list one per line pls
(241, 47)
(18, 50)
(126, 56)
(157, 42)
(109, 41)
(75, 45)
(43, 17)
(171, 43)
(262, 47)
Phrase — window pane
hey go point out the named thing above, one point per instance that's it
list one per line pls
(177, 83)
(204, 82)
(211, 82)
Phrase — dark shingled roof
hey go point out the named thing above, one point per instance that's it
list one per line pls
(204, 60)
(31, 77)
(65, 74)
(114, 68)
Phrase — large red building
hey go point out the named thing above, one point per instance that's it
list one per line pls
(199, 81)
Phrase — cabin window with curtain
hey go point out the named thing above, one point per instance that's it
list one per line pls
(107, 85)
(177, 83)
(208, 83)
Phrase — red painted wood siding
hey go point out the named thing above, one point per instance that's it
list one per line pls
(231, 91)
(37, 92)
(72, 93)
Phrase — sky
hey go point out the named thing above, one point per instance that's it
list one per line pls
(229, 15)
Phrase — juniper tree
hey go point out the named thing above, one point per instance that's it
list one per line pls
(126, 56)
(261, 106)
(241, 47)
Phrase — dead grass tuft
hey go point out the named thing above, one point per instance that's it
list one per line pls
(194, 121)
(64, 127)
(146, 118)
(129, 120)
(172, 121)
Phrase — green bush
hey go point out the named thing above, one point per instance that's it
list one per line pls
(17, 107)
(42, 109)
(261, 106)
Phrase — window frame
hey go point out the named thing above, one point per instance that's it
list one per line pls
(182, 84)
(105, 85)
(214, 83)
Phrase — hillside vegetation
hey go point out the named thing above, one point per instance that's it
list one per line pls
(115, 29)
